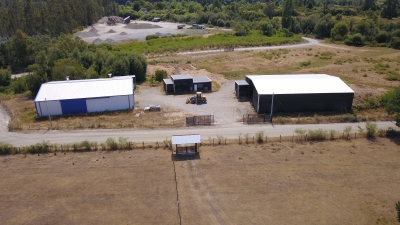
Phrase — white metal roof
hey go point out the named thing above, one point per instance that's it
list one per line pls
(201, 79)
(90, 88)
(168, 81)
(185, 139)
(241, 82)
(299, 84)
(181, 77)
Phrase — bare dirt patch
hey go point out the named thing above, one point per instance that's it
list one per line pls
(348, 182)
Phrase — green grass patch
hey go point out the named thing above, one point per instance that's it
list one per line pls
(216, 41)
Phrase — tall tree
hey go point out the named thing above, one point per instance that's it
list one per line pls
(368, 5)
(269, 9)
(393, 104)
(287, 13)
(389, 9)
(19, 46)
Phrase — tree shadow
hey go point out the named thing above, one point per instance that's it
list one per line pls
(185, 157)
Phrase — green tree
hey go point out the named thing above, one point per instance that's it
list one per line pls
(355, 40)
(34, 81)
(393, 104)
(19, 45)
(287, 12)
(368, 5)
(266, 28)
(269, 9)
(389, 9)
(68, 67)
(339, 31)
(5, 77)
(241, 30)
(324, 26)
(160, 75)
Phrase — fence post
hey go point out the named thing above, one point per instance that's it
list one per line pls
(266, 139)
(225, 141)
(292, 137)
(143, 144)
(280, 138)
(253, 140)
(213, 141)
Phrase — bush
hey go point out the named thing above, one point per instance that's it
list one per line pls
(151, 36)
(6, 149)
(260, 137)
(111, 144)
(355, 40)
(160, 75)
(398, 210)
(316, 135)
(370, 129)
(305, 63)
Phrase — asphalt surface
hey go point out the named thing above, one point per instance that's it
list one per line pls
(138, 136)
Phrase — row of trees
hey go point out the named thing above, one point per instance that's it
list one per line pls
(52, 59)
(361, 22)
(51, 16)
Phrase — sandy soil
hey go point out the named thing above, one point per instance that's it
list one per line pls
(136, 30)
(332, 182)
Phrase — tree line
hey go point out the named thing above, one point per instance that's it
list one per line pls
(358, 23)
(52, 17)
(54, 58)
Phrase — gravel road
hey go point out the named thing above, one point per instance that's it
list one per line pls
(222, 104)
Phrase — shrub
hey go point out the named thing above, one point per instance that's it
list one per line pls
(316, 135)
(85, 145)
(355, 40)
(398, 210)
(305, 63)
(347, 131)
(151, 36)
(260, 137)
(160, 75)
(6, 149)
(111, 144)
(370, 129)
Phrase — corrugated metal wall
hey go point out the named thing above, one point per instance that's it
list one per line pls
(54, 108)
(110, 103)
(304, 102)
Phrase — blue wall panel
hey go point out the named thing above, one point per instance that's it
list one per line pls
(73, 106)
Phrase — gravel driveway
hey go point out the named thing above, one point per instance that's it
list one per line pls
(222, 104)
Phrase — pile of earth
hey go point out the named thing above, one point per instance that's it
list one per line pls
(123, 33)
(115, 18)
(142, 26)
(97, 41)
(111, 31)
(91, 33)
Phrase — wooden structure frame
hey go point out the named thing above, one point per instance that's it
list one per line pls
(186, 144)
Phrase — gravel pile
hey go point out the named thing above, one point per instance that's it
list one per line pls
(97, 41)
(91, 33)
(123, 33)
(109, 41)
(111, 31)
(142, 26)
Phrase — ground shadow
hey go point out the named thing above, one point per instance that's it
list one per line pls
(185, 157)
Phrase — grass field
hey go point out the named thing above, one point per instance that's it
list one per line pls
(331, 182)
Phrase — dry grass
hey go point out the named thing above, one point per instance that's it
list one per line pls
(24, 118)
(340, 182)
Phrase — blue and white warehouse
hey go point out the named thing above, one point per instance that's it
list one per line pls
(85, 96)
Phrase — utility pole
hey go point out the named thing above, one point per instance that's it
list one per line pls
(48, 112)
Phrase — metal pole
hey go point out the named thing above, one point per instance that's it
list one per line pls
(48, 112)
(272, 106)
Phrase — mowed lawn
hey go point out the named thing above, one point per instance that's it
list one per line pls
(331, 182)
